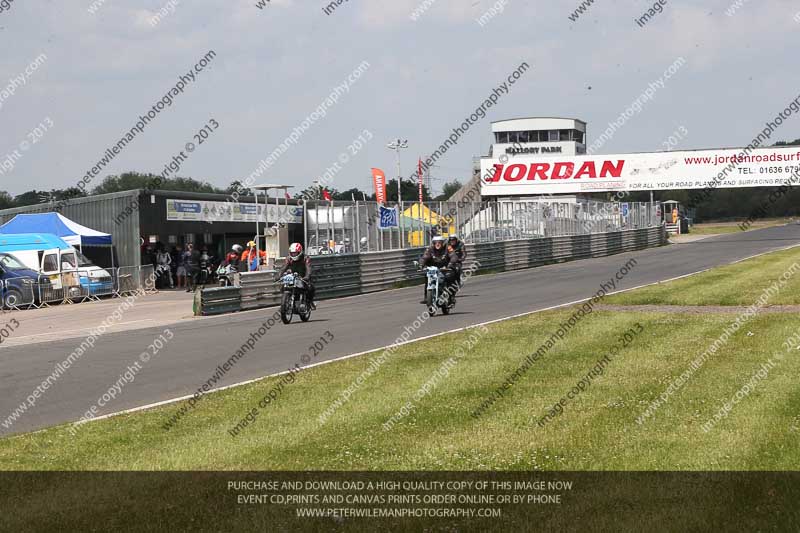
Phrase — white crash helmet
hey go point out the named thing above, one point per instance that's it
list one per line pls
(237, 248)
(436, 239)
(295, 251)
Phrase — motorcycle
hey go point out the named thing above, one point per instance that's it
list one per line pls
(206, 274)
(293, 298)
(225, 275)
(438, 294)
(163, 276)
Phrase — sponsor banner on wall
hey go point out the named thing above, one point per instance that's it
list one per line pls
(209, 211)
(530, 175)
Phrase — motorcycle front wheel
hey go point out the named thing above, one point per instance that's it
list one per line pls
(429, 302)
(307, 314)
(286, 307)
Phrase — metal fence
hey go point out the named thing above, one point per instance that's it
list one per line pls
(68, 288)
(360, 227)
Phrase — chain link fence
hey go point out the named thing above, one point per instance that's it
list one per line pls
(359, 227)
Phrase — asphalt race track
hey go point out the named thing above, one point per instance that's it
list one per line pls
(358, 323)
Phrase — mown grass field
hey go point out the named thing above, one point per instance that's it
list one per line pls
(716, 228)
(737, 284)
(597, 431)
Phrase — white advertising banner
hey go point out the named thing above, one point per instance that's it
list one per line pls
(531, 175)
(208, 211)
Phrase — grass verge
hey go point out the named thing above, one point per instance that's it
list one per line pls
(737, 284)
(712, 228)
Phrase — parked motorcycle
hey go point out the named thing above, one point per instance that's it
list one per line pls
(163, 276)
(294, 298)
(205, 274)
(437, 293)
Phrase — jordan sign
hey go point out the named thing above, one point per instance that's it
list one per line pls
(531, 175)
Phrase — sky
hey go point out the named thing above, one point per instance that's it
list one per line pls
(273, 67)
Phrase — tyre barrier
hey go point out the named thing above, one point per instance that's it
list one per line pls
(346, 275)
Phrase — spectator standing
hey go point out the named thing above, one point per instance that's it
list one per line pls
(251, 259)
(192, 265)
(180, 270)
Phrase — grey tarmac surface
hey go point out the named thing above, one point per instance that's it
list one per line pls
(359, 323)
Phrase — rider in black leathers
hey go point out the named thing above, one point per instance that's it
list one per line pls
(460, 250)
(438, 256)
(300, 263)
(459, 247)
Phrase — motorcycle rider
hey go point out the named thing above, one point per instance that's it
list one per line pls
(230, 265)
(460, 250)
(458, 247)
(234, 257)
(300, 263)
(438, 256)
(164, 262)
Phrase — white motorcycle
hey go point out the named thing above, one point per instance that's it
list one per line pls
(437, 293)
(225, 275)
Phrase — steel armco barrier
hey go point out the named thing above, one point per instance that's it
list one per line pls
(356, 274)
(347, 275)
(219, 300)
(258, 289)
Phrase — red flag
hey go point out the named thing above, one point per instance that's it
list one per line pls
(379, 181)
(419, 173)
(288, 196)
(326, 195)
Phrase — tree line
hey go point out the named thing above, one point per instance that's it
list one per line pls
(134, 180)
